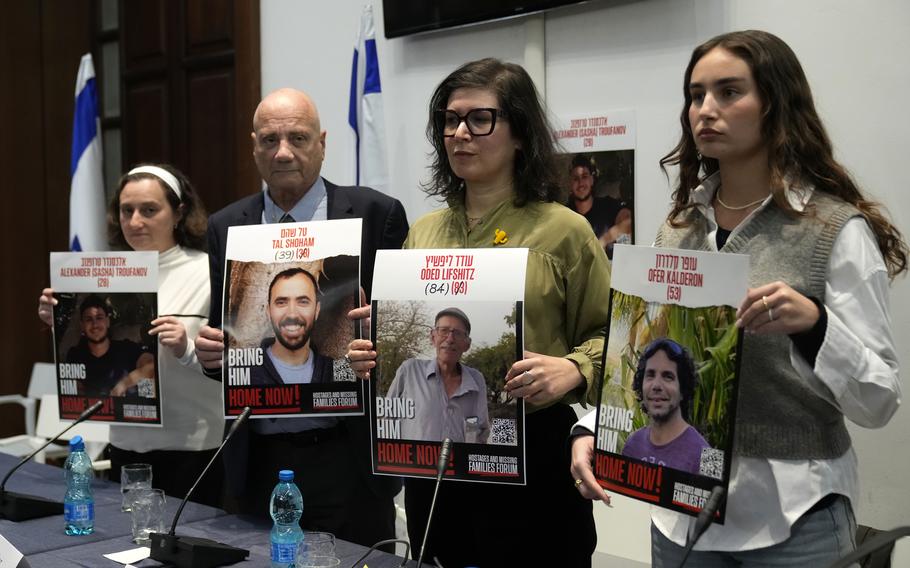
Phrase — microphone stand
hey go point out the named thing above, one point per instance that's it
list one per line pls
(21, 507)
(440, 469)
(194, 552)
(703, 521)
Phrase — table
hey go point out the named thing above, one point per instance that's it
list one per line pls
(243, 532)
(44, 543)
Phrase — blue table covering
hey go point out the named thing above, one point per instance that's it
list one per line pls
(44, 543)
(40, 535)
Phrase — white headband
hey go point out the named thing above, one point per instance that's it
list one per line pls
(162, 174)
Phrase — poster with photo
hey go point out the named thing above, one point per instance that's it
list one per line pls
(288, 289)
(667, 407)
(598, 169)
(448, 326)
(105, 304)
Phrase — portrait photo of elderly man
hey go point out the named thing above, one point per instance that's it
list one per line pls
(450, 398)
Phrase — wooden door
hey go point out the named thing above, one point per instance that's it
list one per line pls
(190, 85)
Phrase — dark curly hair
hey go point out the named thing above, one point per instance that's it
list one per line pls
(686, 374)
(585, 161)
(94, 301)
(535, 175)
(799, 149)
(191, 227)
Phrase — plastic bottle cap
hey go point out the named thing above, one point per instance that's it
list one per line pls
(77, 444)
(286, 475)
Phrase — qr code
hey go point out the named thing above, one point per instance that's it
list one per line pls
(146, 388)
(342, 370)
(712, 463)
(503, 433)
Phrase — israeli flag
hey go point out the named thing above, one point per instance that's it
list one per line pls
(365, 111)
(87, 222)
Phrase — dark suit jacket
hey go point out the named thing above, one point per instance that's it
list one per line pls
(385, 226)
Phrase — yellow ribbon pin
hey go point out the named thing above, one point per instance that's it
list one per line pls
(500, 237)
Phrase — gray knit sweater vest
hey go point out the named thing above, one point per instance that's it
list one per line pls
(778, 416)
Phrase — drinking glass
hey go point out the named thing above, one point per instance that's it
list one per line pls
(315, 544)
(318, 561)
(147, 514)
(133, 476)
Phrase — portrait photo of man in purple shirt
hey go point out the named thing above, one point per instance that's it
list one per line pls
(664, 384)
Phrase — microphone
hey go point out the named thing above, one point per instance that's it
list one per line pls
(873, 544)
(193, 552)
(440, 470)
(85, 414)
(703, 521)
(443, 460)
(20, 507)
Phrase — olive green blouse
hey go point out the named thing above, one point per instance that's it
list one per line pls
(568, 278)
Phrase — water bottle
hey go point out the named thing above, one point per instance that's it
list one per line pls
(286, 508)
(78, 502)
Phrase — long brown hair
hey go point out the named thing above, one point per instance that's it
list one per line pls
(799, 150)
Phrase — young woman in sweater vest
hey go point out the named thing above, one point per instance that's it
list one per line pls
(757, 176)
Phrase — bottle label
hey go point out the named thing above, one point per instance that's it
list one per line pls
(74, 512)
(284, 552)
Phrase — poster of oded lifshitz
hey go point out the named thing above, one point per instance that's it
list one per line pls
(105, 304)
(448, 326)
(671, 364)
(288, 289)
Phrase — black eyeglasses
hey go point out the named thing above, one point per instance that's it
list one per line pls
(480, 121)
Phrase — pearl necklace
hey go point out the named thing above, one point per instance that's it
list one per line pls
(741, 207)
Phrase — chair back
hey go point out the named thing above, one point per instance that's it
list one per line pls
(881, 558)
(43, 380)
(49, 423)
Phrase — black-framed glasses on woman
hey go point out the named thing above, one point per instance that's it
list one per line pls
(480, 121)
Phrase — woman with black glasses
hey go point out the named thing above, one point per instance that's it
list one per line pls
(494, 167)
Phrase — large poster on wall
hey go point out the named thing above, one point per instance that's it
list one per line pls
(448, 326)
(288, 289)
(105, 304)
(665, 420)
(598, 172)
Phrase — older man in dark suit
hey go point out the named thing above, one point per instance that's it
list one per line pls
(330, 456)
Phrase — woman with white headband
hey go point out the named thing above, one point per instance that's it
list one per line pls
(155, 208)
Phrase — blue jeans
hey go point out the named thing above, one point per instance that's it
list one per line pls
(818, 538)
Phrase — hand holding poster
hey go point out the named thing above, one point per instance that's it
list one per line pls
(448, 326)
(288, 288)
(106, 301)
(665, 420)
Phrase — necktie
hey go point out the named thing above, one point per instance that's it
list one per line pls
(286, 218)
